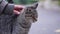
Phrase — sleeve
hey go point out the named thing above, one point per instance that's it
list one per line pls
(9, 9)
(2, 5)
(6, 8)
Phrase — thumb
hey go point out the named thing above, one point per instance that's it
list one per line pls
(16, 12)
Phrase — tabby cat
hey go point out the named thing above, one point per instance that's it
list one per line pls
(25, 19)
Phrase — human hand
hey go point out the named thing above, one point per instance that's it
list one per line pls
(17, 9)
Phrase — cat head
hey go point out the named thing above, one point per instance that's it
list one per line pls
(31, 10)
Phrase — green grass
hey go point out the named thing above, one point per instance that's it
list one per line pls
(24, 1)
(59, 2)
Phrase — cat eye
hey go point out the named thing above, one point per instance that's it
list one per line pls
(29, 10)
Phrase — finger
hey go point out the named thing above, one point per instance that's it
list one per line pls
(18, 7)
(16, 12)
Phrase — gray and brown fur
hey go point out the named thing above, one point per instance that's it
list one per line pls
(23, 22)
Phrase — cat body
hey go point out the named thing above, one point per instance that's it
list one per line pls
(24, 20)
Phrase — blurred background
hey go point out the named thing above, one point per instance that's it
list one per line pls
(31, 1)
(24, 1)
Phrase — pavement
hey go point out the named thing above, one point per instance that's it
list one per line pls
(48, 21)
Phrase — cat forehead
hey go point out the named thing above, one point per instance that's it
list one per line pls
(31, 6)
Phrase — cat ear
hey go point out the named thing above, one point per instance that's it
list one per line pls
(35, 5)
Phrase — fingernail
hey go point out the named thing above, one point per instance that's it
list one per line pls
(18, 12)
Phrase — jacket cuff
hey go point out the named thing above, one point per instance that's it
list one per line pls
(9, 9)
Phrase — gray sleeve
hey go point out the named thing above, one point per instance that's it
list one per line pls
(2, 5)
(9, 9)
(5, 7)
